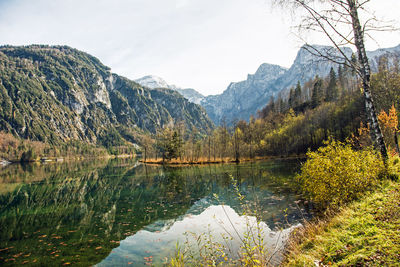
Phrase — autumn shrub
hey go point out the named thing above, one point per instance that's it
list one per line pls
(336, 174)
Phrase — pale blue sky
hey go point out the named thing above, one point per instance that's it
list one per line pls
(203, 44)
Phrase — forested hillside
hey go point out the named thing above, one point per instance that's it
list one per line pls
(57, 94)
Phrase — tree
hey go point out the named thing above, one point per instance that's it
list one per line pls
(237, 135)
(291, 98)
(270, 107)
(271, 104)
(297, 95)
(339, 21)
(332, 90)
(390, 122)
(280, 103)
(224, 138)
(146, 142)
(341, 76)
(316, 97)
(386, 87)
(169, 143)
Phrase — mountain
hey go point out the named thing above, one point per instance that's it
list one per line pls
(57, 93)
(307, 65)
(153, 82)
(242, 99)
(190, 94)
(392, 54)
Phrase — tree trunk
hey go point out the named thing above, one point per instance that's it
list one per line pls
(236, 147)
(214, 148)
(365, 72)
(209, 148)
(396, 141)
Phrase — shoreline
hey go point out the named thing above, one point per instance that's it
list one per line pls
(217, 161)
(5, 162)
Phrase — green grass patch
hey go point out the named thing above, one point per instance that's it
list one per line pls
(365, 233)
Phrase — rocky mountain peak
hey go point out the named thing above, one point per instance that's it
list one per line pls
(152, 82)
(269, 71)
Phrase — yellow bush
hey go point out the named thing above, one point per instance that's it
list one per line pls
(336, 174)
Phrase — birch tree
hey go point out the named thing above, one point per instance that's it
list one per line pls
(339, 21)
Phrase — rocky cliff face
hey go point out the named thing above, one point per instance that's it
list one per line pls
(242, 99)
(308, 64)
(393, 54)
(154, 82)
(56, 93)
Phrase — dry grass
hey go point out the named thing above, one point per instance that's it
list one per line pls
(201, 160)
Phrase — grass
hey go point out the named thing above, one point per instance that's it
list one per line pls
(364, 233)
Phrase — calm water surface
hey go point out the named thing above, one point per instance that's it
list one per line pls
(119, 212)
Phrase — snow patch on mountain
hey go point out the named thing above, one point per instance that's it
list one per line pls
(153, 82)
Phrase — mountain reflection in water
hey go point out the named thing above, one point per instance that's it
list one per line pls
(93, 213)
(220, 221)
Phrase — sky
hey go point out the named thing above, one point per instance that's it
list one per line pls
(200, 44)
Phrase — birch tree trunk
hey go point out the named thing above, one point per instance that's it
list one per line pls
(366, 75)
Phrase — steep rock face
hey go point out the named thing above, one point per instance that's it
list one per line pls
(154, 82)
(56, 93)
(241, 99)
(308, 64)
(392, 54)
(190, 94)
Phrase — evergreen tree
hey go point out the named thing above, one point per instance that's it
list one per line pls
(291, 98)
(341, 76)
(280, 104)
(176, 145)
(332, 91)
(272, 103)
(354, 64)
(316, 97)
(297, 94)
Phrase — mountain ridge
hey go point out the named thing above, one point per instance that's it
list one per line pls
(57, 93)
(240, 100)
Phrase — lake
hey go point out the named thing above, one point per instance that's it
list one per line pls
(119, 212)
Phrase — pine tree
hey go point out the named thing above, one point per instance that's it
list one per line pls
(316, 97)
(354, 64)
(341, 76)
(280, 103)
(291, 98)
(297, 94)
(332, 91)
(271, 104)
